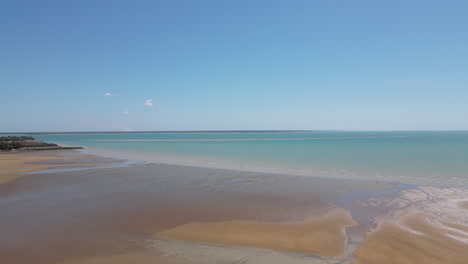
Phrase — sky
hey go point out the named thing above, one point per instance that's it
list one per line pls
(233, 65)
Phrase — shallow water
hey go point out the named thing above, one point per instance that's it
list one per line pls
(436, 158)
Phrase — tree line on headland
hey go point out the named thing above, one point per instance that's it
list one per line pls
(25, 143)
(13, 142)
(16, 138)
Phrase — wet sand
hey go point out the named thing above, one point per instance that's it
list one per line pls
(425, 225)
(158, 213)
(17, 164)
(14, 165)
(464, 204)
(415, 240)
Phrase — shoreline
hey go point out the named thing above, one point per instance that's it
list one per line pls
(221, 202)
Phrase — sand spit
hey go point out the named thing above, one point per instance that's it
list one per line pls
(425, 225)
(323, 236)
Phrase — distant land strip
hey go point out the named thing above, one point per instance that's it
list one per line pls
(165, 132)
(232, 139)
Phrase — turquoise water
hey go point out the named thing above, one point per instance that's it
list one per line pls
(434, 158)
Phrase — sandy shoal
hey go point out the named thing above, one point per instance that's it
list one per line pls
(20, 160)
(415, 240)
(13, 165)
(323, 236)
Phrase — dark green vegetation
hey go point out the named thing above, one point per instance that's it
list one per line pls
(15, 138)
(9, 145)
(13, 142)
(25, 143)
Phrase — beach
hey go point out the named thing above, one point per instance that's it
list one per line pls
(72, 208)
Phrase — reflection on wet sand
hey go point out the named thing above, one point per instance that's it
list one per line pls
(323, 236)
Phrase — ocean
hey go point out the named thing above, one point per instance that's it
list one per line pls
(435, 158)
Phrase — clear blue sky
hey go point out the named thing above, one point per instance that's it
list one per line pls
(229, 65)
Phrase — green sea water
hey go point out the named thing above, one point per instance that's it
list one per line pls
(437, 158)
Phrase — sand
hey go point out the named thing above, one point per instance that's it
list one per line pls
(324, 236)
(16, 164)
(13, 165)
(463, 204)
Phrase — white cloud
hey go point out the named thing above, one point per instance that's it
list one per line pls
(108, 94)
(125, 112)
(149, 102)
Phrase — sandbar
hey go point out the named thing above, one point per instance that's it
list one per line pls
(14, 165)
(324, 236)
